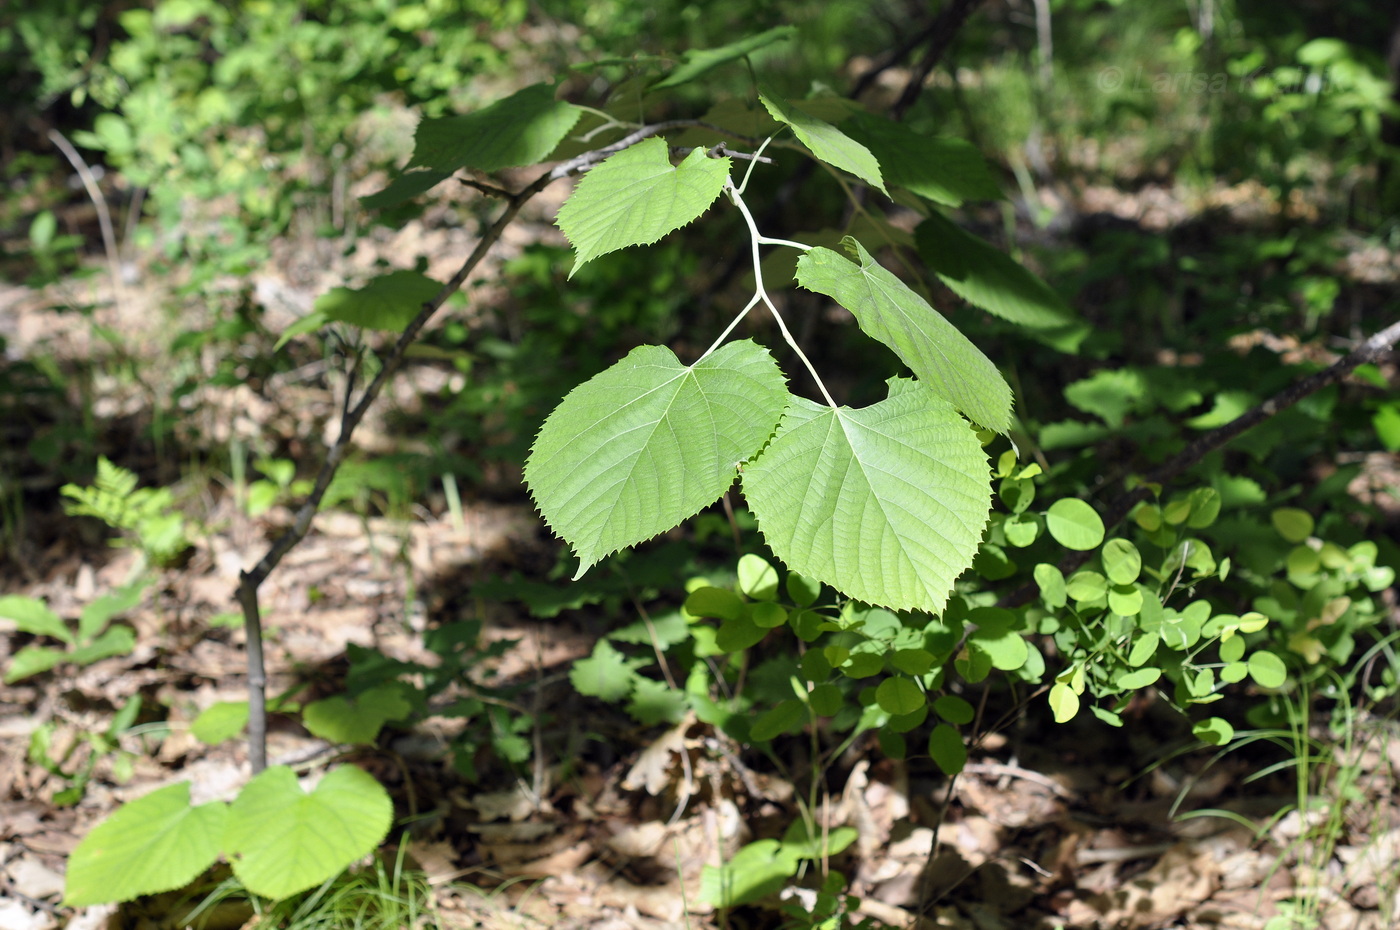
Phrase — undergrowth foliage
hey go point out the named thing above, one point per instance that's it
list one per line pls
(871, 514)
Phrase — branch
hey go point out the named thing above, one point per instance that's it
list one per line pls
(941, 34)
(1371, 350)
(250, 581)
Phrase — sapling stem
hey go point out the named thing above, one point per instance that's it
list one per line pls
(737, 199)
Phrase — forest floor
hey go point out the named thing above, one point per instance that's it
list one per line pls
(610, 824)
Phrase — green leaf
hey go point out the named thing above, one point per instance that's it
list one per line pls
(636, 196)
(117, 641)
(1086, 586)
(757, 870)
(1267, 670)
(939, 355)
(987, 277)
(1139, 678)
(757, 579)
(343, 719)
(521, 129)
(698, 62)
(606, 674)
(912, 661)
(1074, 524)
(156, 843)
(799, 841)
(389, 302)
(1205, 507)
(803, 591)
(953, 709)
(826, 700)
(947, 749)
(899, 696)
(1144, 648)
(826, 142)
(768, 615)
(1386, 423)
(780, 719)
(1051, 582)
(282, 840)
(1064, 702)
(943, 170)
(1214, 731)
(656, 702)
(1021, 530)
(1228, 406)
(996, 636)
(1110, 394)
(649, 442)
(307, 324)
(739, 634)
(1292, 524)
(1125, 600)
(1122, 562)
(220, 721)
(721, 603)
(886, 504)
(404, 187)
(34, 617)
(32, 660)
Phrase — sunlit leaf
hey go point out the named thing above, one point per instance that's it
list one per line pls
(826, 142)
(282, 840)
(636, 196)
(156, 843)
(647, 443)
(888, 310)
(886, 504)
(700, 61)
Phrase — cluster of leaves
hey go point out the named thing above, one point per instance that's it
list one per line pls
(147, 517)
(90, 640)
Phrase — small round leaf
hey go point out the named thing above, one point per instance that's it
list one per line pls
(1292, 524)
(946, 748)
(899, 696)
(1267, 670)
(1074, 524)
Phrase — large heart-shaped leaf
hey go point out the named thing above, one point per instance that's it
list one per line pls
(156, 843)
(886, 504)
(649, 442)
(282, 840)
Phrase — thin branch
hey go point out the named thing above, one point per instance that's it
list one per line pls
(251, 581)
(1369, 351)
(104, 216)
(944, 29)
(939, 33)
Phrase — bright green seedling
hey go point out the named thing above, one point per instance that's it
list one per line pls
(91, 639)
(278, 838)
(146, 517)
